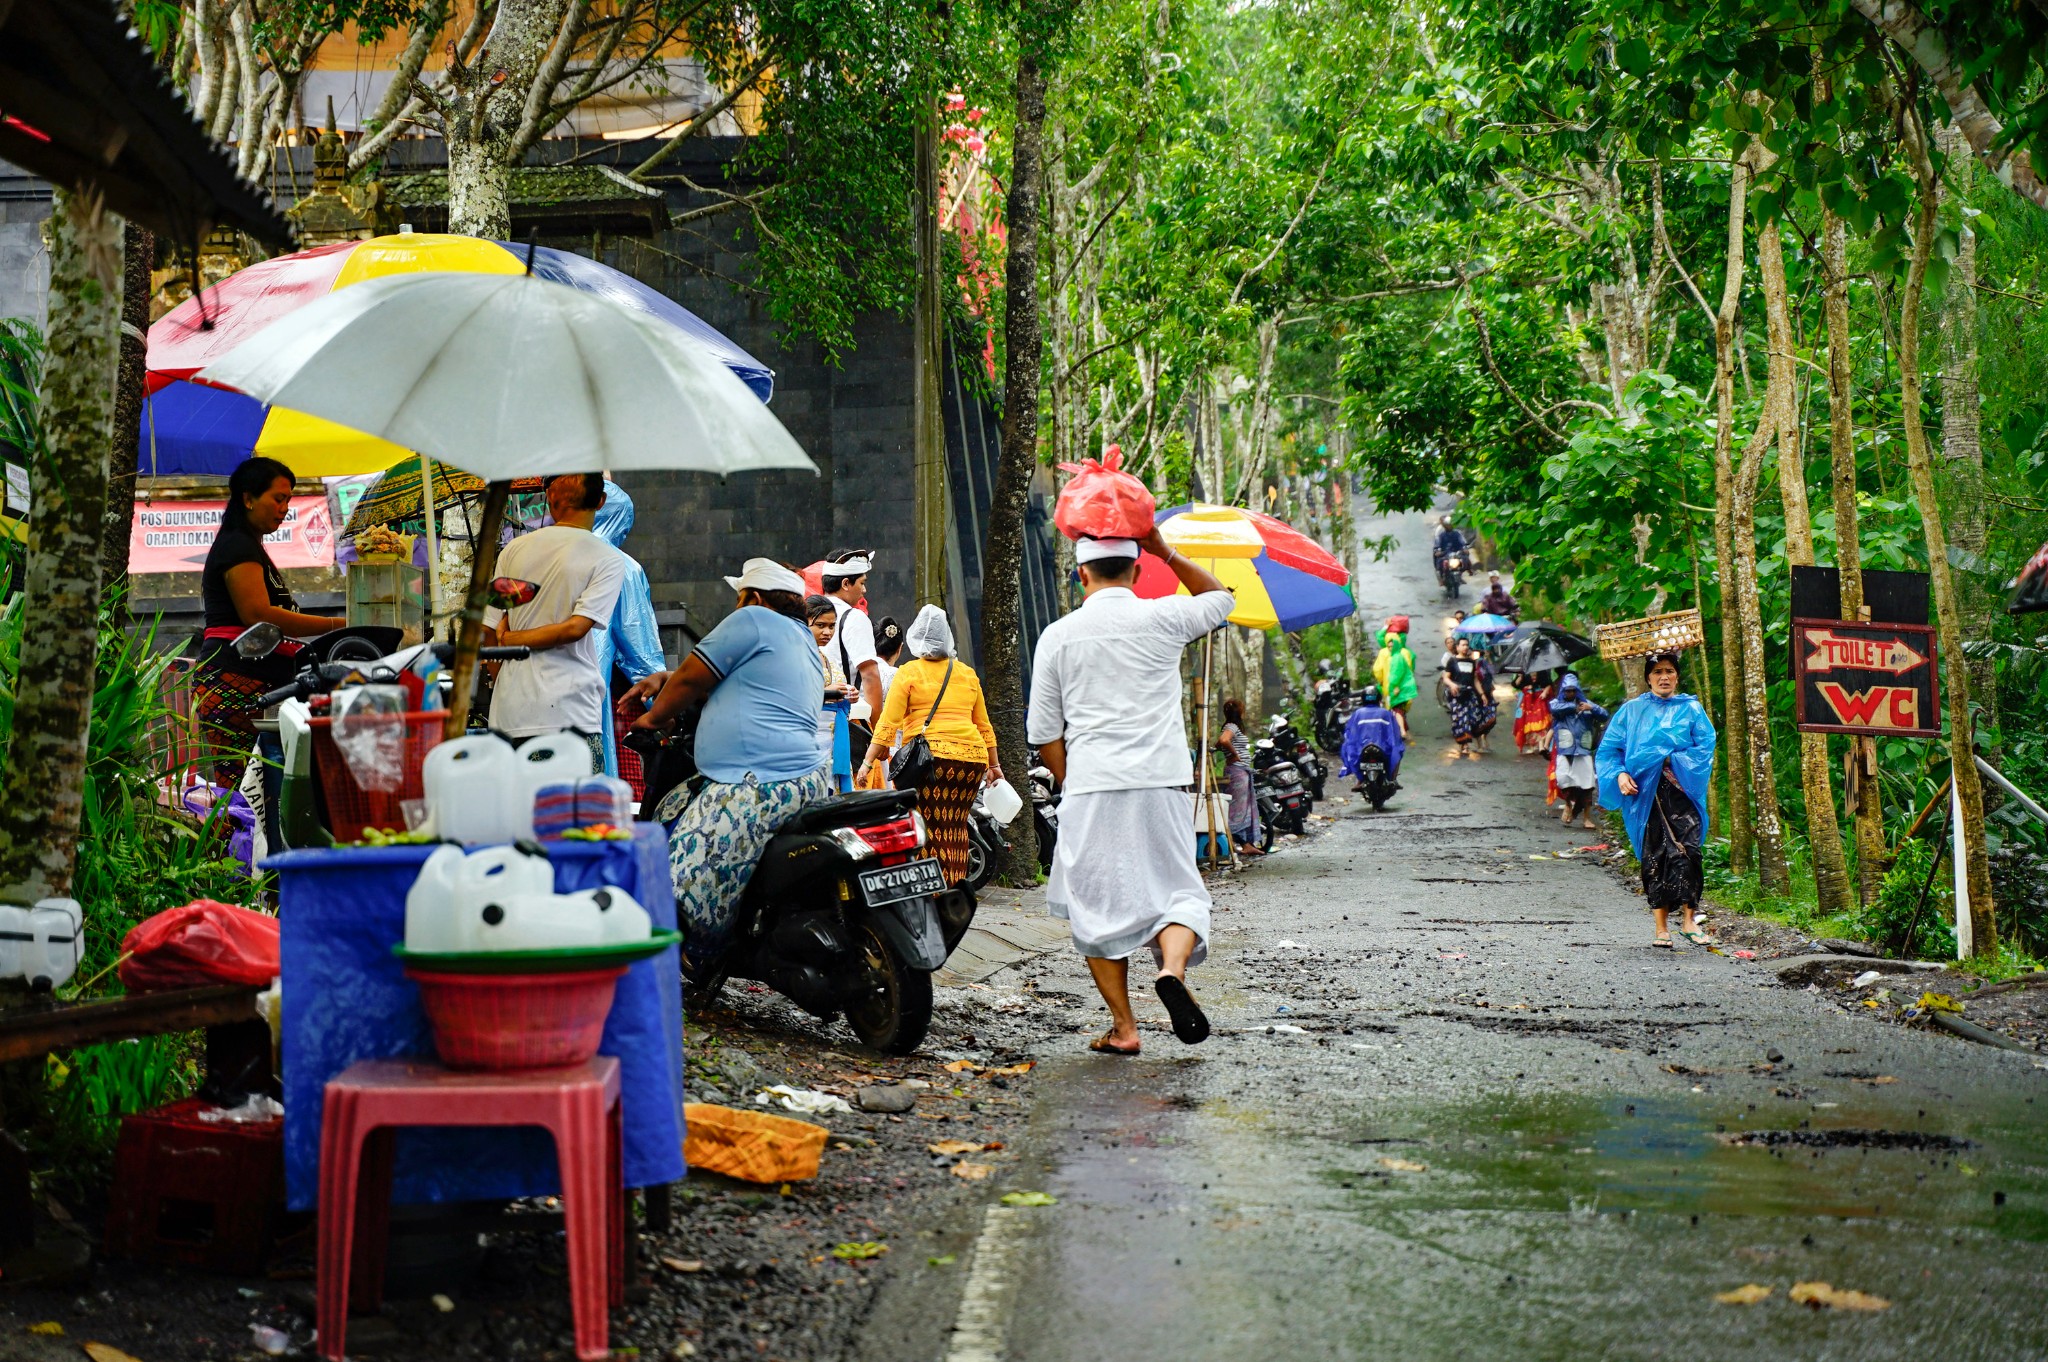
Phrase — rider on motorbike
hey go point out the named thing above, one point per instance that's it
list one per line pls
(1371, 722)
(1448, 540)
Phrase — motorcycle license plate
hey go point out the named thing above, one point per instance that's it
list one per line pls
(1375, 769)
(895, 883)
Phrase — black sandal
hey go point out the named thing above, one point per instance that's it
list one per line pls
(1190, 1025)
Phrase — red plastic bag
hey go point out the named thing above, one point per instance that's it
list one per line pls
(1103, 502)
(202, 943)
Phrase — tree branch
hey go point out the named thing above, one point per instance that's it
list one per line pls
(1281, 244)
(1486, 353)
(701, 118)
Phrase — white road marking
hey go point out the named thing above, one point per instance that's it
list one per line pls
(979, 1327)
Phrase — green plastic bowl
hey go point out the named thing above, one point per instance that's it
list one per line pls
(561, 961)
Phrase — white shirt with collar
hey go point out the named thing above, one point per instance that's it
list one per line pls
(1106, 678)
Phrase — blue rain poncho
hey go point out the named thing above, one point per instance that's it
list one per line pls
(633, 640)
(1370, 725)
(1647, 732)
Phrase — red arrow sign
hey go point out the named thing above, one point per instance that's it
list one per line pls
(1832, 650)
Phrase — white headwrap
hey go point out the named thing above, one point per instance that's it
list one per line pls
(929, 634)
(1094, 550)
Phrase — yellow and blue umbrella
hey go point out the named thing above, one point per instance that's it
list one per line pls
(199, 431)
(1280, 576)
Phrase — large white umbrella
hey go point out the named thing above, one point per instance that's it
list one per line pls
(508, 376)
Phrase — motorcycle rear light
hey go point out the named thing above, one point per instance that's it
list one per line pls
(888, 839)
(850, 842)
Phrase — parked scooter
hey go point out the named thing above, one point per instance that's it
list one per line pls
(847, 911)
(1283, 800)
(1045, 813)
(1333, 706)
(985, 846)
(1315, 773)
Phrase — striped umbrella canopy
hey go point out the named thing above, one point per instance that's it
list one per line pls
(1281, 577)
(1484, 623)
(395, 496)
(191, 429)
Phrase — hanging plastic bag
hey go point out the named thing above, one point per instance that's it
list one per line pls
(1103, 502)
(203, 942)
(369, 728)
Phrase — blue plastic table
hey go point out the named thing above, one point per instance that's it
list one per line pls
(346, 998)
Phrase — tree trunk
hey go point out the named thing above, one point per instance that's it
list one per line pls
(1823, 830)
(1834, 251)
(42, 799)
(1755, 709)
(138, 250)
(1734, 734)
(1003, 556)
(1948, 610)
(1962, 443)
(487, 105)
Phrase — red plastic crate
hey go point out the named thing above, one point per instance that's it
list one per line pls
(350, 808)
(196, 1193)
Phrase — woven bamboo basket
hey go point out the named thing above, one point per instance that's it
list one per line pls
(1653, 634)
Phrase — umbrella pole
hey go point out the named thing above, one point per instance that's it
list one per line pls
(429, 501)
(483, 567)
(1202, 768)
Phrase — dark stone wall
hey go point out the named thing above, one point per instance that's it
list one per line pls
(852, 418)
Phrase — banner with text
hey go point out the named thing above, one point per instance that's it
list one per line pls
(1866, 677)
(174, 536)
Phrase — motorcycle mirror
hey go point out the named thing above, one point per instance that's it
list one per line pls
(258, 640)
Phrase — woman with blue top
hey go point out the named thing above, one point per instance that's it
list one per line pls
(758, 678)
(1654, 765)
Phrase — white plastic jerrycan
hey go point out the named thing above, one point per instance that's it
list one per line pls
(535, 922)
(443, 909)
(41, 945)
(545, 759)
(465, 781)
(620, 916)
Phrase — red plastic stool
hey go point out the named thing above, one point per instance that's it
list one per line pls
(578, 1105)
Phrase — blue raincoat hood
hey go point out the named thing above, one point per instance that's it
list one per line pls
(1645, 733)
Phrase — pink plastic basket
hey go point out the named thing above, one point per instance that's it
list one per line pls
(516, 1021)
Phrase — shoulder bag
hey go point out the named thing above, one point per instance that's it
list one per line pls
(912, 763)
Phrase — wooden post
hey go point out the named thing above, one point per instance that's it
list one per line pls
(483, 567)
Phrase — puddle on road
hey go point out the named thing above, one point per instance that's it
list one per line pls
(1868, 1160)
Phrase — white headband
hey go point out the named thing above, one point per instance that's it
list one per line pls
(765, 574)
(852, 567)
(1091, 550)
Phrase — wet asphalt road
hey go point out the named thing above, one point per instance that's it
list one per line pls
(1476, 1147)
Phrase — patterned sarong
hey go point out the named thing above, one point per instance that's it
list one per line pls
(714, 840)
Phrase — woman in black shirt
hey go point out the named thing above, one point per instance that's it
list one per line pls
(241, 587)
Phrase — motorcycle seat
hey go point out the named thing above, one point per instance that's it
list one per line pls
(862, 806)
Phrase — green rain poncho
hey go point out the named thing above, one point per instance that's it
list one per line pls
(1394, 669)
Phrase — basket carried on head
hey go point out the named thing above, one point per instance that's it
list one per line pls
(1653, 634)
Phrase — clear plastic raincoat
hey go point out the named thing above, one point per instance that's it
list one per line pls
(1644, 734)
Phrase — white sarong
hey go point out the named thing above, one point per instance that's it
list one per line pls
(1576, 772)
(1124, 868)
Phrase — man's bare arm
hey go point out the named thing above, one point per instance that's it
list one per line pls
(1054, 755)
(1196, 578)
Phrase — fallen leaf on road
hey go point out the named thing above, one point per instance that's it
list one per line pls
(954, 1147)
(1013, 1070)
(682, 1264)
(1745, 1295)
(107, 1352)
(962, 1066)
(942, 1260)
(49, 1328)
(1404, 1165)
(1870, 1002)
(1821, 1296)
(1030, 1199)
(855, 1252)
(1938, 1002)
(973, 1172)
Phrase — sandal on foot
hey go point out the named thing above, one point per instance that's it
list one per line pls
(1663, 943)
(1102, 1045)
(1699, 938)
(1189, 1023)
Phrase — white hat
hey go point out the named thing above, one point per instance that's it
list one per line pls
(1089, 550)
(765, 574)
(859, 566)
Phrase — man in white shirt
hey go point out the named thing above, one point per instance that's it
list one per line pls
(577, 576)
(1106, 718)
(845, 581)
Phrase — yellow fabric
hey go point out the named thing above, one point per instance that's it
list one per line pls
(1254, 607)
(313, 448)
(1204, 531)
(1383, 666)
(423, 252)
(960, 731)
